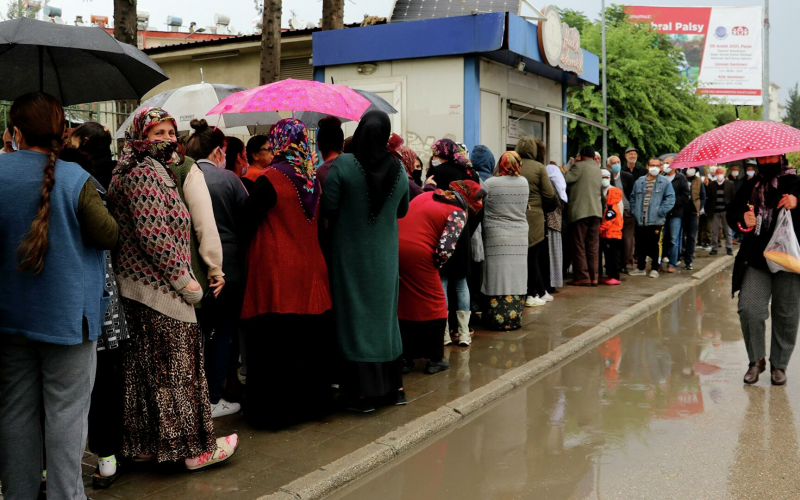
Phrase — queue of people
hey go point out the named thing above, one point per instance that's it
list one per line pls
(139, 286)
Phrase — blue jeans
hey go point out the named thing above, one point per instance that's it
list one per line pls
(462, 293)
(672, 234)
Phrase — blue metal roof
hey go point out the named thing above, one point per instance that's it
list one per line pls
(483, 34)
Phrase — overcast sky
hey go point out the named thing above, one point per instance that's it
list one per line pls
(784, 14)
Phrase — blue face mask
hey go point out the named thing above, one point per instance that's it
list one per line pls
(616, 168)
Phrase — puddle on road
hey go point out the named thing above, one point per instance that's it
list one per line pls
(658, 411)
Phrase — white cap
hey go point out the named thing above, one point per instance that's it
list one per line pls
(605, 173)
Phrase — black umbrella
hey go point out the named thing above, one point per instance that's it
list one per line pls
(73, 63)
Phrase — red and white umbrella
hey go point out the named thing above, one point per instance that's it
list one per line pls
(737, 141)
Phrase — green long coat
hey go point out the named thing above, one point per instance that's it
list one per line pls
(364, 262)
(540, 189)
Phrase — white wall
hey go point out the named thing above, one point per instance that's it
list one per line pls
(511, 84)
(432, 97)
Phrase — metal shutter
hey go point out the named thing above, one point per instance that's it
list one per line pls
(299, 69)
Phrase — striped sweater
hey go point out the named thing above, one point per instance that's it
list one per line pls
(152, 260)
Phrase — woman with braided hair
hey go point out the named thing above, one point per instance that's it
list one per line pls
(54, 233)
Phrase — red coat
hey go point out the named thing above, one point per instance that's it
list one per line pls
(286, 271)
(421, 294)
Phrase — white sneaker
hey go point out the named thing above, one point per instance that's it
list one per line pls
(534, 302)
(224, 408)
(547, 297)
(637, 272)
(107, 466)
(653, 274)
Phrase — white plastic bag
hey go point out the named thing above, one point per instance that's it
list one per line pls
(783, 250)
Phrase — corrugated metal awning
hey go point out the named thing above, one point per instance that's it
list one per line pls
(558, 112)
(299, 69)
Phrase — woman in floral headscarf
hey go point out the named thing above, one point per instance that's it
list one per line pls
(505, 240)
(167, 413)
(287, 297)
(429, 234)
(412, 164)
(449, 164)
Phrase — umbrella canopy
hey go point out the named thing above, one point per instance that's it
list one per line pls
(664, 157)
(187, 103)
(75, 64)
(259, 106)
(739, 140)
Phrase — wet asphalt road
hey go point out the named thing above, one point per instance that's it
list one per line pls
(658, 411)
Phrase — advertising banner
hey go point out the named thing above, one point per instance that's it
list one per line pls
(722, 47)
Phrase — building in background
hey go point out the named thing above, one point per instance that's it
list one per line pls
(479, 79)
(776, 109)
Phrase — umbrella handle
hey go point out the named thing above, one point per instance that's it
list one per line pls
(746, 229)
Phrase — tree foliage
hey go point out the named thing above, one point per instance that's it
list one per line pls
(17, 9)
(651, 106)
(793, 108)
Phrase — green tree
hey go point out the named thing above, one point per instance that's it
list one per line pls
(575, 19)
(22, 8)
(650, 105)
(793, 108)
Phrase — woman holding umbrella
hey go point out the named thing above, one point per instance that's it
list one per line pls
(287, 296)
(754, 212)
(365, 193)
(167, 411)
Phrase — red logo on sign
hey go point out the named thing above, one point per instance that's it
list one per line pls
(740, 31)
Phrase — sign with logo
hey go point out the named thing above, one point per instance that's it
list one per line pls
(722, 47)
(559, 44)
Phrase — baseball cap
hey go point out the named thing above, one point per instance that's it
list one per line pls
(631, 149)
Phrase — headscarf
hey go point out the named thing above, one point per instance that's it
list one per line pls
(380, 167)
(483, 161)
(409, 159)
(765, 196)
(288, 140)
(471, 193)
(510, 164)
(448, 150)
(137, 147)
(395, 141)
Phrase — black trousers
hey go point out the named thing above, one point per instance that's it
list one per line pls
(535, 283)
(647, 245)
(221, 322)
(610, 249)
(544, 262)
(106, 409)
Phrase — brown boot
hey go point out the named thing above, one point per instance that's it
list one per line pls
(778, 376)
(751, 377)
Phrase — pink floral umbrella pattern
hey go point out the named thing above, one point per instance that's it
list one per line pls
(739, 140)
(296, 95)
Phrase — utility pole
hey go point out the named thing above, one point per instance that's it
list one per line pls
(765, 90)
(603, 83)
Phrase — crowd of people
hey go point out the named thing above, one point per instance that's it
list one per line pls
(136, 288)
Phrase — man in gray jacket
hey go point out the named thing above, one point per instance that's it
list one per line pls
(584, 211)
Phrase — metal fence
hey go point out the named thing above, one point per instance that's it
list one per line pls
(110, 114)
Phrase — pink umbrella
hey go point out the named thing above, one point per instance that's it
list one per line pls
(291, 95)
(739, 140)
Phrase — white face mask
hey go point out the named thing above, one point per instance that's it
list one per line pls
(14, 143)
(436, 162)
(606, 182)
(667, 169)
(690, 172)
(750, 173)
(653, 171)
(720, 178)
(734, 173)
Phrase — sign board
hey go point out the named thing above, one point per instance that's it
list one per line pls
(559, 44)
(722, 47)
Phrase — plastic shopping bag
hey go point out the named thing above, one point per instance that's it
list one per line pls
(783, 250)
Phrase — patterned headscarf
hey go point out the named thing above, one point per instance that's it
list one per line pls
(510, 164)
(288, 140)
(471, 193)
(448, 150)
(409, 158)
(137, 147)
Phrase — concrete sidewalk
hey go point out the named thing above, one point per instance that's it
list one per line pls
(268, 461)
